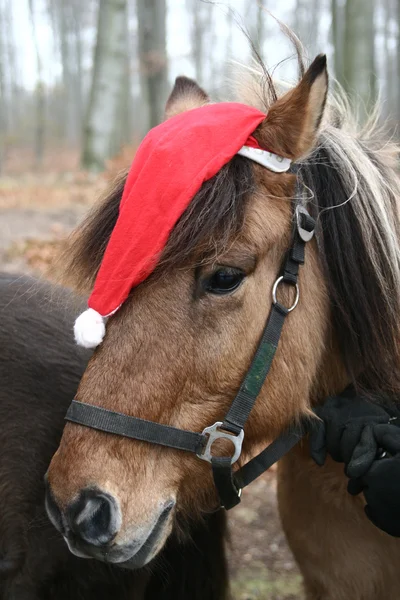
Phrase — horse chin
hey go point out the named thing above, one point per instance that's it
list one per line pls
(131, 557)
(143, 556)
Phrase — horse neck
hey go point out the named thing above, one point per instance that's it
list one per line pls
(332, 377)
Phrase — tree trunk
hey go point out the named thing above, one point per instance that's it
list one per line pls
(108, 73)
(300, 19)
(10, 96)
(40, 117)
(78, 76)
(3, 101)
(229, 39)
(255, 16)
(197, 35)
(14, 82)
(67, 20)
(337, 39)
(389, 70)
(398, 65)
(123, 118)
(151, 16)
(67, 70)
(359, 54)
(214, 66)
(260, 25)
(315, 19)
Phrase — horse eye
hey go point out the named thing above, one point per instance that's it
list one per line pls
(224, 281)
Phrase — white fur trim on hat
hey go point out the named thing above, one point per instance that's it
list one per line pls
(89, 329)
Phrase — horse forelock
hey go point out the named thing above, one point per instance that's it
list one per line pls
(214, 217)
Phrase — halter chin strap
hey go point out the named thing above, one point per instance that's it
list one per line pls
(229, 483)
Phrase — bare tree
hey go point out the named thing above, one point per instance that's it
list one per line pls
(254, 17)
(359, 53)
(260, 23)
(66, 20)
(60, 21)
(3, 103)
(108, 73)
(229, 39)
(316, 8)
(389, 60)
(151, 16)
(337, 38)
(14, 83)
(398, 62)
(77, 18)
(257, 25)
(198, 29)
(306, 23)
(123, 125)
(301, 16)
(39, 93)
(215, 69)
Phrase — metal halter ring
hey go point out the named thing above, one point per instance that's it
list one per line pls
(213, 434)
(274, 290)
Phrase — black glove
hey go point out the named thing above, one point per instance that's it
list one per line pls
(381, 484)
(346, 432)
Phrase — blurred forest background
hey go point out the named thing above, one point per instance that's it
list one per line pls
(81, 81)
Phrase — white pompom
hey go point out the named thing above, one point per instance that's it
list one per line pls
(89, 329)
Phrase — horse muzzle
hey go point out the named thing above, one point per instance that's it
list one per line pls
(91, 527)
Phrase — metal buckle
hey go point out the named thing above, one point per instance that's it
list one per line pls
(214, 434)
(305, 235)
(239, 495)
(274, 290)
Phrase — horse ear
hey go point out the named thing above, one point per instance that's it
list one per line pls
(186, 94)
(291, 126)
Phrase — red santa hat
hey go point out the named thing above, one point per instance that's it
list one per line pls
(170, 166)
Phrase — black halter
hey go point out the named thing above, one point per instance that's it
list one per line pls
(229, 484)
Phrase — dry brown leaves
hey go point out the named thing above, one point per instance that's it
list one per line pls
(59, 186)
(50, 190)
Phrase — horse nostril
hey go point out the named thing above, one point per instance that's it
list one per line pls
(94, 517)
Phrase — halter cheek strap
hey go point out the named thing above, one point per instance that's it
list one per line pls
(229, 483)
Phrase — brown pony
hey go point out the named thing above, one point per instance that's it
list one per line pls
(178, 349)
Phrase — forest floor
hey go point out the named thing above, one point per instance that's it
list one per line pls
(36, 212)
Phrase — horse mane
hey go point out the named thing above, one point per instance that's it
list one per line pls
(353, 191)
(352, 188)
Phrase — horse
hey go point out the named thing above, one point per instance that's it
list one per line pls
(177, 350)
(40, 369)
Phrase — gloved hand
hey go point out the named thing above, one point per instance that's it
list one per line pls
(346, 432)
(381, 484)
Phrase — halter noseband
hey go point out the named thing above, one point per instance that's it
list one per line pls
(229, 483)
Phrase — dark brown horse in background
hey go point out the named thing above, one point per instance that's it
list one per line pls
(40, 368)
(178, 349)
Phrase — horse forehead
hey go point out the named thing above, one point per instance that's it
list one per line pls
(268, 215)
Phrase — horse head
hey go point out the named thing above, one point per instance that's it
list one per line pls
(178, 348)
